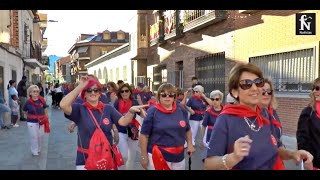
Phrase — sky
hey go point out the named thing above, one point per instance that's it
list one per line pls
(71, 23)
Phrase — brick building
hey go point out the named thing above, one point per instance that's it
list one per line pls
(89, 47)
(206, 44)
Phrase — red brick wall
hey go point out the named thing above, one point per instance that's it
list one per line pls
(289, 110)
(14, 14)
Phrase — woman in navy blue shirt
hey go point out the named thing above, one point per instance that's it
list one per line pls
(164, 132)
(106, 115)
(242, 138)
(127, 146)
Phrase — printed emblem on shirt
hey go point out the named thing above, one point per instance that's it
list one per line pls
(273, 140)
(106, 121)
(182, 123)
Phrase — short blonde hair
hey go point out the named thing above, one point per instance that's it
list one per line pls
(31, 88)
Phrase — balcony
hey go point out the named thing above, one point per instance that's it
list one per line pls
(196, 19)
(170, 24)
(154, 33)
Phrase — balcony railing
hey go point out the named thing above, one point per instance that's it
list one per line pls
(169, 24)
(196, 19)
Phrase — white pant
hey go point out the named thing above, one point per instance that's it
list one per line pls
(172, 165)
(195, 125)
(36, 134)
(80, 167)
(128, 149)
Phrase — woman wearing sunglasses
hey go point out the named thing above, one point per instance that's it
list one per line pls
(242, 138)
(308, 131)
(37, 118)
(164, 132)
(210, 117)
(105, 115)
(128, 135)
(197, 106)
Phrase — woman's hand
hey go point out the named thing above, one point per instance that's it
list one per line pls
(144, 161)
(190, 149)
(71, 127)
(139, 109)
(305, 156)
(242, 147)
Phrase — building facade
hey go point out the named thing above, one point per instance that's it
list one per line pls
(207, 43)
(89, 47)
(20, 45)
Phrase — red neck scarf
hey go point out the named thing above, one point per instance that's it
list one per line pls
(211, 111)
(99, 107)
(196, 97)
(244, 111)
(162, 109)
(274, 121)
(124, 105)
(37, 104)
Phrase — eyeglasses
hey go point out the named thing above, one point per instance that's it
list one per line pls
(171, 95)
(215, 99)
(317, 88)
(196, 91)
(93, 90)
(122, 91)
(247, 83)
(35, 91)
(269, 92)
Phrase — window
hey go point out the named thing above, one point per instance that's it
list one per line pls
(124, 73)
(111, 75)
(164, 74)
(99, 74)
(120, 35)
(292, 71)
(117, 74)
(99, 38)
(14, 75)
(25, 32)
(106, 36)
(95, 73)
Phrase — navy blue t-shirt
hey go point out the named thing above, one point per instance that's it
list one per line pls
(123, 129)
(103, 98)
(167, 130)
(229, 128)
(209, 120)
(86, 125)
(275, 130)
(197, 105)
(34, 110)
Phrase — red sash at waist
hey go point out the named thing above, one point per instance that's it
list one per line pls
(210, 127)
(158, 160)
(199, 112)
(43, 120)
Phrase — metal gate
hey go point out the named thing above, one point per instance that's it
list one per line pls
(210, 71)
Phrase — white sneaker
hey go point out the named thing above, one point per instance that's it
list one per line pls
(16, 125)
(35, 154)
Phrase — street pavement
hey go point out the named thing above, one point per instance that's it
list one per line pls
(59, 147)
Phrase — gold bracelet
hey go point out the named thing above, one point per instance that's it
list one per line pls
(143, 157)
(224, 161)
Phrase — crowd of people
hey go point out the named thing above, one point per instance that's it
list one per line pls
(240, 130)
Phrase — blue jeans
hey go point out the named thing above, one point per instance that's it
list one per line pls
(3, 109)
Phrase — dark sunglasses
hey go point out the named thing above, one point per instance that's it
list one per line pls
(215, 99)
(93, 90)
(171, 95)
(269, 92)
(247, 83)
(317, 88)
(122, 91)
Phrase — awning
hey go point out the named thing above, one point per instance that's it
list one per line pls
(32, 63)
(35, 63)
(83, 49)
